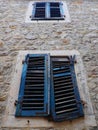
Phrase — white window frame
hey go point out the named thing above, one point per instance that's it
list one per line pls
(30, 9)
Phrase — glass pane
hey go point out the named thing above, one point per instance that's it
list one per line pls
(55, 12)
(40, 4)
(53, 4)
(40, 12)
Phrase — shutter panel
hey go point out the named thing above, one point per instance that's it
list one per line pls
(65, 99)
(56, 11)
(39, 12)
(33, 97)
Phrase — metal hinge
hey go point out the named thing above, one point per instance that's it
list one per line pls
(73, 59)
(26, 59)
(18, 102)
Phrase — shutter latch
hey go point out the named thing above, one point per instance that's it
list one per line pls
(17, 102)
(84, 103)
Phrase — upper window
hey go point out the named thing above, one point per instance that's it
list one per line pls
(49, 87)
(47, 11)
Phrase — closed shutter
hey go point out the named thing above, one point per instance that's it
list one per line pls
(40, 9)
(47, 11)
(65, 99)
(33, 97)
(56, 11)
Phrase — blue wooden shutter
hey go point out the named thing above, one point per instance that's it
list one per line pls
(65, 99)
(39, 11)
(33, 97)
(56, 11)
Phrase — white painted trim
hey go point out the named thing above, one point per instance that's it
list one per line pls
(29, 13)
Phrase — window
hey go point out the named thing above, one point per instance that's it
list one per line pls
(47, 11)
(49, 87)
(39, 12)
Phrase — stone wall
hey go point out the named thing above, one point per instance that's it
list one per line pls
(81, 34)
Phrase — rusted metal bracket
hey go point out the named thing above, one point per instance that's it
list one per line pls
(18, 102)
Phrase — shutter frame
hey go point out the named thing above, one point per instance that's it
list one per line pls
(45, 111)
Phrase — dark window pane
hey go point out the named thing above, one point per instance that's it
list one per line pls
(40, 4)
(54, 4)
(40, 13)
(55, 12)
